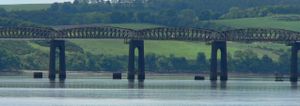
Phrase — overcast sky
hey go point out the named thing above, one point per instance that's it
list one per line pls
(30, 1)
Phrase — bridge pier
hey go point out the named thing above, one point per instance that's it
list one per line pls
(294, 62)
(133, 44)
(218, 45)
(60, 44)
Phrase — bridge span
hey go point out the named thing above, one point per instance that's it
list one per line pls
(57, 36)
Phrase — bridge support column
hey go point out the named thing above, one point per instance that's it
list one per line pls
(133, 44)
(218, 45)
(60, 44)
(294, 62)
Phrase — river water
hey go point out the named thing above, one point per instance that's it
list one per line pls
(107, 92)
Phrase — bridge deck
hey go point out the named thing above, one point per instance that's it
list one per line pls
(161, 33)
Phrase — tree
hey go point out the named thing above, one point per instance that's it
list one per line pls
(283, 62)
(151, 62)
(201, 61)
(187, 17)
(8, 62)
(267, 64)
(117, 17)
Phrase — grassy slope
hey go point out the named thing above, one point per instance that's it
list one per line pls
(25, 7)
(263, 22)
(178, 48)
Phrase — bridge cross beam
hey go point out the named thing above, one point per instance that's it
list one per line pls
(60, 45)
(139, 45)
(222, 46)
(294, 62)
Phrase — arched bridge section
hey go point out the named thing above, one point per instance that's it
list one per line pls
(100, 32)
(166, 33)
(26, 32)
(261, 34)
(161, 33)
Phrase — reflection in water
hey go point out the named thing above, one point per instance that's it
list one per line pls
(136, 93)
(54, 84)
(62, 84)
(213, 84)
(141, 84)
(141, 91)
(294, 85)
(56, 93)
(130, 84)
(223, 85)
(105, 92)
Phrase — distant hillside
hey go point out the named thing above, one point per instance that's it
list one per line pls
(27, 7)
(288, 22)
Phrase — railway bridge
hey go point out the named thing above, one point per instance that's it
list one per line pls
(59, 34)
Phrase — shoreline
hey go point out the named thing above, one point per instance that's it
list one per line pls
(124, 74)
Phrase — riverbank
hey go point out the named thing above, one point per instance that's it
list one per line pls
(149, 75)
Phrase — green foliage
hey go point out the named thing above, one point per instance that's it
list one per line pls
(236, 12)
(261, 22)
(244, 62)
(8, 62)
(167, 12)
(26, 7)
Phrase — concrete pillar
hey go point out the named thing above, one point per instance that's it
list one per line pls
(294, 63)
(213, 63)
(54, 44)
(141, 64)
(224, 73)
(133, 44)
(131, 72)
(52, 71)
(62, 61)
(216, 45)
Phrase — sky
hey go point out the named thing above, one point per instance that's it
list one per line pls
(29, 1)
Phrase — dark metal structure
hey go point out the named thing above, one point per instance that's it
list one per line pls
(261, 34)
(58, 34)
(162, 33)
(218, 45)
(139, 45)
(60, 45)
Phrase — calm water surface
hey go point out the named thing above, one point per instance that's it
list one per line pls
(106, 92)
